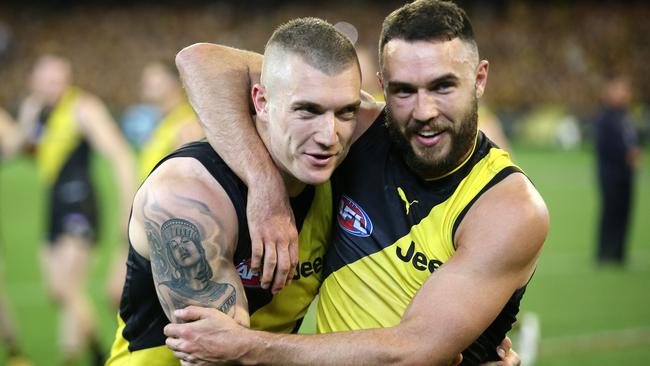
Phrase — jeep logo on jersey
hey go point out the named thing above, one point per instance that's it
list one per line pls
(353, 219)
(247, 276)
(419, 260)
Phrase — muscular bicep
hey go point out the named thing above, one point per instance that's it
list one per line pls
(190, 233)
(498, 244)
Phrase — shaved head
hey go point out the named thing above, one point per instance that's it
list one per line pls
(314, 41)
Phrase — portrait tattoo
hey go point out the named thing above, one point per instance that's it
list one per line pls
(184, 270)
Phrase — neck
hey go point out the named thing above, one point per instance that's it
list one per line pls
(293, 186)
(462, 162)
(195, 284)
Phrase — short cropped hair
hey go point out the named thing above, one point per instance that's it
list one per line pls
(426, 20)
(316, 42)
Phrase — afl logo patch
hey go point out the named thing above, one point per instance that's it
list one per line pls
(353, 219)
(247, 276)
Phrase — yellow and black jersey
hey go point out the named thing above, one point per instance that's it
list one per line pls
(392, 230)
(164, 137)
(139, 339)
(62, 157)
(59, 143)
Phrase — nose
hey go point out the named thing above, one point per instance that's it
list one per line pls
(327, 134)
(425, 107)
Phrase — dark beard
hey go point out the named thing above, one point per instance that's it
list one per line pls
(461, 144)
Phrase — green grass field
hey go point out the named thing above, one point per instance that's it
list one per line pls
(589, 315)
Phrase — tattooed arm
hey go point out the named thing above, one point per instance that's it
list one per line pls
(185, 223)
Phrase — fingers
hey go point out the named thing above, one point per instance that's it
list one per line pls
(282, 269)
(504, 347)
(180, 346)
(257, 250)
(270, 260)
(186, 359)
(512, 359)
(293, 257)
(191, 313)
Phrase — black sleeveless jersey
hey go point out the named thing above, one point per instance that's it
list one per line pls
(141, 318)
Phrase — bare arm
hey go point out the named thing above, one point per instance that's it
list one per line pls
(218, 81)
(496, 255)
(102, 133)
(28, 114)
(185, 223)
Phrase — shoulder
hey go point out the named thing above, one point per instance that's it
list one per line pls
(182, 174)
(181, 187)
(510, 218)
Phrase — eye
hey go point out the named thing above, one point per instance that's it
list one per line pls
(444, 87)
(348, 114)
(403, 92)
(307, 111)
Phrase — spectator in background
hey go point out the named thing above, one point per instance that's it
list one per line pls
(490, 124)
(618, 156)
(161, 86)
(63, 123)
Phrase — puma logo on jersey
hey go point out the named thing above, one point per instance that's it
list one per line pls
(419, 260)
(402, 195)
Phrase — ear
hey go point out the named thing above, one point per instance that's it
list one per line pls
(481, 77)
(260, 101)
(380, 79)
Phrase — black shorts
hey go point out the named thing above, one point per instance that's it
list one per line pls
(73, 209)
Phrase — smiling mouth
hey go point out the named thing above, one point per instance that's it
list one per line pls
(321, 156)
(429, 134)
(428, 138)
(320, 160)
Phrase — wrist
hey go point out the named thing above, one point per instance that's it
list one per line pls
(254, 347)
(264, 180)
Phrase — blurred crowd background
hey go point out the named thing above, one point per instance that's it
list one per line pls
(549, 64)
(542, 54)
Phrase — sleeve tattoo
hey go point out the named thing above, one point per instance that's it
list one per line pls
(179, 261)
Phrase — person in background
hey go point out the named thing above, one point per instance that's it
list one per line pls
(160, 86)
(63, 124)
(618, 156)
